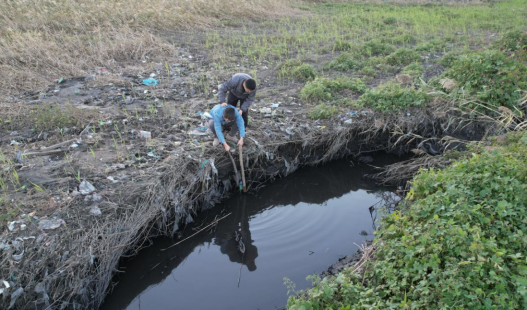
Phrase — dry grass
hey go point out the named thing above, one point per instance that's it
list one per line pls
(43, 40)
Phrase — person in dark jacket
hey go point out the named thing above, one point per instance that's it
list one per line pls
(242, 89)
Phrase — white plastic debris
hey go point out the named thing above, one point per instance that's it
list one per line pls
(95, 211)
(145, 134)
(15, 296)
(86, 188)
(50, 224)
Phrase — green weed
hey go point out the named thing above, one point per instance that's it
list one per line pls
(344, 62)
(325, 89)
(297, 70)
(403, 57)
(491, 76)
(376, 48)
(323, 111)
(392, 97)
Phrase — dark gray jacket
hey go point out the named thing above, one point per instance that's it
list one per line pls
(235, 87)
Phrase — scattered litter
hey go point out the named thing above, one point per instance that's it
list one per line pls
(199, 113)
(213, 166)
(105, 123)
(349, 121)
(129, 100)
(408, 114)
(95, 211)
(199, 131)
(23, 227)
(152, 75)
(275, 105)
(266, 110)
(60, 80)
(151, 154)
(112, 179)
(50, 224)
(18, 257)
(95, 197)
(15, 296)
(74, 145)
(14, 133)
(13, 142)
(145, 134)
(86, 188)
(353, 113)
(206, 115)
(150, 82)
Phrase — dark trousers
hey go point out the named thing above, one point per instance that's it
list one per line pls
(232, 127)
(233, 100)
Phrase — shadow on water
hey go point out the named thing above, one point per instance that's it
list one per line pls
(301, 224)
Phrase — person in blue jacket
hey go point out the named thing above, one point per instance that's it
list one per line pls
(226, 117)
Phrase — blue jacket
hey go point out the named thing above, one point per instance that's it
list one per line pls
(217, 116)
(235, 87)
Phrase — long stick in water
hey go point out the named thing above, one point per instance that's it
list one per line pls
(235, 170)
(241, 167)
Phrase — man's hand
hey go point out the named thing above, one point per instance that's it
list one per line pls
(240, 111)
(224, 104)
(226, 146)
(240, 142)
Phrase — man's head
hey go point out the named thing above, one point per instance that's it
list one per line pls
(249, 85)
(229, 115)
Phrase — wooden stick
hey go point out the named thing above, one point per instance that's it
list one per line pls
(243, 171)
(43, 153)
(237, 179)
(57, 145)
(213, 222)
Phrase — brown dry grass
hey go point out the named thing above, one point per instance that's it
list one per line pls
(43, 40)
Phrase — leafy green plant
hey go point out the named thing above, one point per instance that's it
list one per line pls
(296, 69)
(323, 111)
(344, 62)
(390, 21)
(413, 69)
(431, 46)
(324, 89)
(392, 97)
(492, 76)
(403, 57)
(513, 41)
(342, 45)
(376, 48)
(460, 244)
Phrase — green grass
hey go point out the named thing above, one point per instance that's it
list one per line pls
(325, 89)
(346, 26)
(460, 244)
(344, 62)
(391, 97)
(297, 70)
(323, 111)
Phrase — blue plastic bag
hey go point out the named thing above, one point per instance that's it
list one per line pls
(150, 82)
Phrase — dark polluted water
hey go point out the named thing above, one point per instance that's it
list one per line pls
(292, 228)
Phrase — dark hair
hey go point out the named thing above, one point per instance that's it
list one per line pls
(250, 84)
(230, 114)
